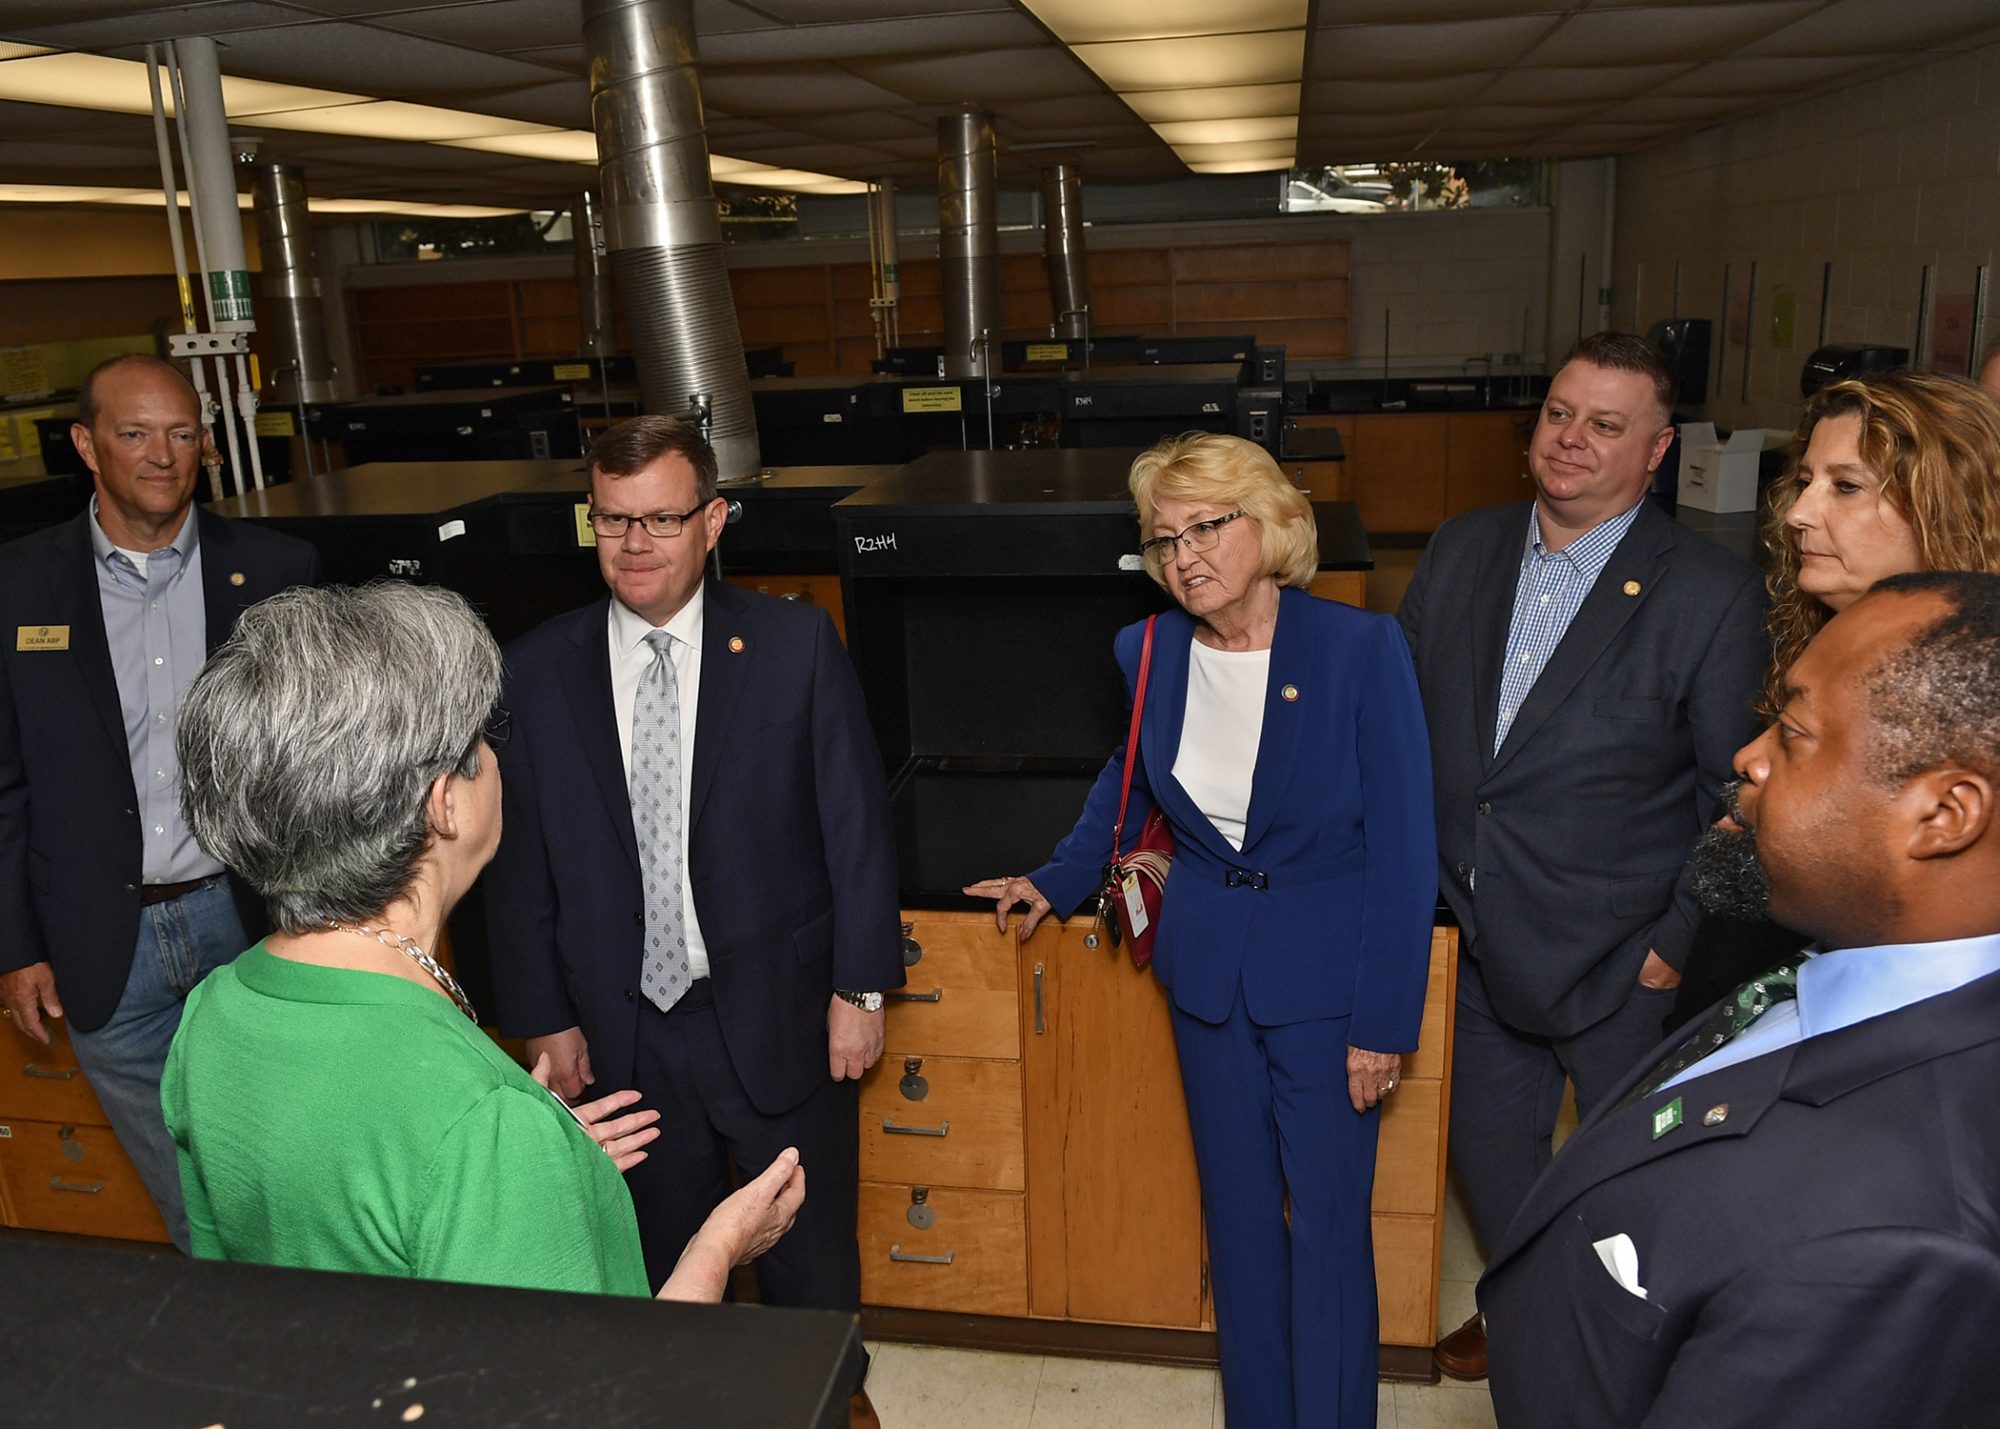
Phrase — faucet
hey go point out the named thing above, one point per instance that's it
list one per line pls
(1486, 378)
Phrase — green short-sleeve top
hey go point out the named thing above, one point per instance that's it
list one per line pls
(343, 1120)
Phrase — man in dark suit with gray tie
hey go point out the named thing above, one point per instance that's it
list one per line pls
(1790, 1214)
(1588, 667)
(695, 892)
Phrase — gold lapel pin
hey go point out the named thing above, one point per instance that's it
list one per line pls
(236, 578)
(1631, 587)
(1716, 1115)
(736, 644)
(1290, 692)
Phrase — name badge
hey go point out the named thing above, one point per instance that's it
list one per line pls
(41, 637)
(1135, 905)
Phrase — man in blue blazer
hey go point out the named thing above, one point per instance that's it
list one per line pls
(111, 912)
(1790, 1215)
(714, 929)
(1587, 667)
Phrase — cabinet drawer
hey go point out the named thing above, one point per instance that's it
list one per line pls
(1406, 1279)
(1406, 1156)
(1428, 1059)
(44, 1083)
(61, 1176)
(958, 997)
(965, 1130)
(975, 1255)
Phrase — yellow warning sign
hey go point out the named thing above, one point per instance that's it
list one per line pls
(584, 535)
(276, 422)
(932, 399)
(1048, 352)
(571, 372)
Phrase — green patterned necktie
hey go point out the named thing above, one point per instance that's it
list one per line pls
(1737, 1014)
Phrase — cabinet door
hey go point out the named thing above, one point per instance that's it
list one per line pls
(1114, 1211)
(1488, 464)
(820, 590)
(1396, 471)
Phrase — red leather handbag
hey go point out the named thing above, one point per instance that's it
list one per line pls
(1135, 883)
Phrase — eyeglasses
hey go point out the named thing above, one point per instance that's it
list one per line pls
(497, 728)
(662, 525)
(1201, 536)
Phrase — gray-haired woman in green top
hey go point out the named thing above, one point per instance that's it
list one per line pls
(333, 1098)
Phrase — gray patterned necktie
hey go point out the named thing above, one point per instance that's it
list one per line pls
(656, 823)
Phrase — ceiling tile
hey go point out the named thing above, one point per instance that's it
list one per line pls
(1762, 79)
(795, 89)
(965, 36)
(1650, 34)
(149, 23)
(1041, 73)
(526, 24)
(1875, 28)
(1553, 84)
(1427, 51)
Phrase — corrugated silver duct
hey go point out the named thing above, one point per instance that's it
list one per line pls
(1062, 246)
(596, 313)
(661, 229)
(968, 241)
(293, 307)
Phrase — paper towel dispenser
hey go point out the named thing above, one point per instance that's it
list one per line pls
(1841, 361)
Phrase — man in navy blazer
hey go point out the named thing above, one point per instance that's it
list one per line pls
(1790, 1216)
(1587, 667)
(111, 913)
(736, 982)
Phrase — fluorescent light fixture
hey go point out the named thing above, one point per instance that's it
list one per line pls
(1129, 65)
(1228, 131)
(1236, 101)
(1241, 166)
(562, 146)
(1253, 149)
(1078, 22)
(69, 80)
(152, 198)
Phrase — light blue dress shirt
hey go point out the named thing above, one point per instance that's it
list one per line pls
(156, 626)
(1547, 596)
(1842, 988)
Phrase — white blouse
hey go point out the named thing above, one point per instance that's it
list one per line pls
(1225, 724)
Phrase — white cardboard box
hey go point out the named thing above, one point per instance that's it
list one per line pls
(1719, 475)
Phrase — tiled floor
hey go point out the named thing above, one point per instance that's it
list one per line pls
(916, 1387)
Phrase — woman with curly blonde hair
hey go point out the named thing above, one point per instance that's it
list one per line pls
(1888, 475)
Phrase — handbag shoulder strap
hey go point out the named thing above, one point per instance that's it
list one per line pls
(1132, 735)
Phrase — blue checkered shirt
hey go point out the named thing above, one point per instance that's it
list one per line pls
(1547, 596)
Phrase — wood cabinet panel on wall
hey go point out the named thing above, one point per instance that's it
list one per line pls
(1488, 461)
(1396, 470)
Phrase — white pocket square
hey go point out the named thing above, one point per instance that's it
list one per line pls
(1621, 1258)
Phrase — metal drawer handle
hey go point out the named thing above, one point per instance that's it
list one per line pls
(896, 1253)
(49, 1074)
(56, 1183)
(1040, 1026)
(936, 994)
(889, 1126)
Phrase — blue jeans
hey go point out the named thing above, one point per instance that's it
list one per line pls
(180, 943)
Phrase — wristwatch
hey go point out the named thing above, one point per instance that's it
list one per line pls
(866, 1001)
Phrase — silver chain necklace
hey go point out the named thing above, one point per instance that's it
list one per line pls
(390, 938)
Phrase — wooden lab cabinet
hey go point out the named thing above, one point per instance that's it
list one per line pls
(1025, 1147)
(1408, 472)
(61, 1169)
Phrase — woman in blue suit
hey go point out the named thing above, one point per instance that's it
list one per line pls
(1283, 738)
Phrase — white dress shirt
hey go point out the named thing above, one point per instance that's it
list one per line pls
(1220, 735)
(631, 657)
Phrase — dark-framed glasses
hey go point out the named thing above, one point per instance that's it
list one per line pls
(1201, 536)
(661, 525)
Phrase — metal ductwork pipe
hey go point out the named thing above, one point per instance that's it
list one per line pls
(294, 311)
(661, 229)
(597, 319)
(969, 241)
(1062, 246)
